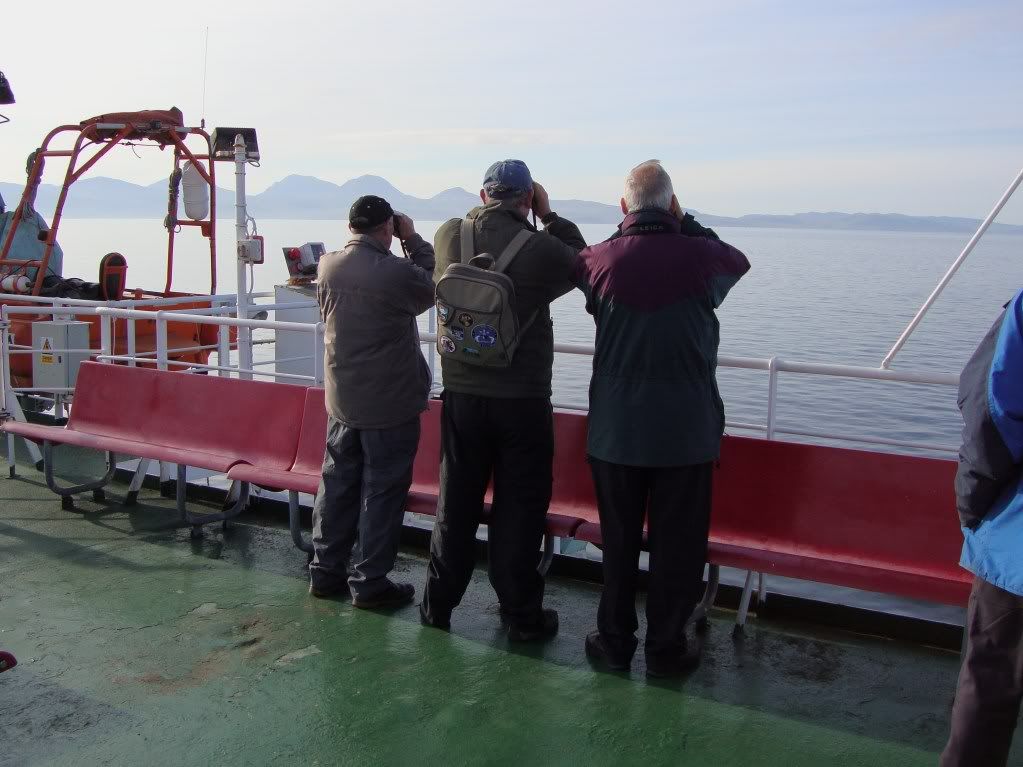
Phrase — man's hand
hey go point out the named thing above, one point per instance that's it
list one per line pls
(406, 228)
(541, 202)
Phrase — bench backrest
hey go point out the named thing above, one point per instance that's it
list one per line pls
(426, 471)
(312, 437)
(251, 421)
(879, 509)
(574, 495)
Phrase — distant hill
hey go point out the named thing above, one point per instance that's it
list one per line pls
(306, 197)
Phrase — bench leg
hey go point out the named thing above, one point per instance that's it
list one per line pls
(702, 611)
(747, 594)
(550, 548)
(198, 520)
(11, 468)
(294, 523)
(66, 494)
(761, 589)
(136, 482)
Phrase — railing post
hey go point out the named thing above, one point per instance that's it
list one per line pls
(432, 359)
(161, 341)
(131, 341)
(318, 354)
(241, 232)
(223, 346)
(106, 336)
(772, 395)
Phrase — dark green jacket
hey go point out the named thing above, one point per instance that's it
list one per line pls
(542, 271)
(653, 291)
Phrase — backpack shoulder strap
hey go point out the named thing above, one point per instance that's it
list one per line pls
(468, 238)
(512, 250)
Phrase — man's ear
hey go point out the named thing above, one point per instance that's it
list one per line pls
(625, 208)
(483, 197)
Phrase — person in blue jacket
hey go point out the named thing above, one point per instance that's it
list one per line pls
(989, 498)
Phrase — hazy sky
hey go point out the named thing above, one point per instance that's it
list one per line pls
(910, 106)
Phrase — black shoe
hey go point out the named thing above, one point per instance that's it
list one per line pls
(546, 628)
(436, 623)
(329, 592)
(395, 595)
(601, 655)
(672, 665)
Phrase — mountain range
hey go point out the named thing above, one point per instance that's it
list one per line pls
(306, 197)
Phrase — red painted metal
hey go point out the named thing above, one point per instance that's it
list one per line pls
(203, 421)
(160, 127)
(867, 520)
(304, 474)
(874, 521)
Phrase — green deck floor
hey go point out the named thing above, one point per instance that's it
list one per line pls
(138, 646)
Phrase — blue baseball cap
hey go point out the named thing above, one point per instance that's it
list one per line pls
(507, 178)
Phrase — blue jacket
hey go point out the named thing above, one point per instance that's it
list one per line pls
(989, 485)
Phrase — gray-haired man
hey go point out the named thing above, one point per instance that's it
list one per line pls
(377, 383)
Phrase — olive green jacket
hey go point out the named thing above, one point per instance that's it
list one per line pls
(542, 271)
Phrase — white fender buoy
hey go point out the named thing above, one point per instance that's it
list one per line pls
(15, 283)
(195, 191)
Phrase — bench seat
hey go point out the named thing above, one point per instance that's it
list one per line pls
(58, 435)
(206, 422)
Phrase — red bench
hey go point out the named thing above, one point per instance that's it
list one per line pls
(202, 421)
(874, 521)
(303, 476)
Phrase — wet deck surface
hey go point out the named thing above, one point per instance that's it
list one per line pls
(139, 646)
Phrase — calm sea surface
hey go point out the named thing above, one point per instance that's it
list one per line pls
(814, 296)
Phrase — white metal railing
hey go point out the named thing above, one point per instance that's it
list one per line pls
(163, 352)
(163, 356)
(774, 366)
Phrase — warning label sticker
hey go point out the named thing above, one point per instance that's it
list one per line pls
(47, 346)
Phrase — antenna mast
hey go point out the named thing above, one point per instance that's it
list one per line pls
(205, 60)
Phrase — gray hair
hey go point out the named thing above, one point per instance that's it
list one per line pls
(648, 185)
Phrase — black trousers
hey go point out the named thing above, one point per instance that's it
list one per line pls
(676, 502)
(511, 440)
(990, 686)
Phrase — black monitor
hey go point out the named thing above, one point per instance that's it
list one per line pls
(223, 143)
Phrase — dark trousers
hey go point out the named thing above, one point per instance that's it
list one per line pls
(676, 503)
(366, 478)
(513, 441)
(990, 682)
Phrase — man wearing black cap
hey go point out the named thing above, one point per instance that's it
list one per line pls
(377, 383)
(498, 422)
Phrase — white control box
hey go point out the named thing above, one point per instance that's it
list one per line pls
(60, 347)
(294, 349)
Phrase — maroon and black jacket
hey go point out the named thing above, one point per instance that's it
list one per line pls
(652, 291)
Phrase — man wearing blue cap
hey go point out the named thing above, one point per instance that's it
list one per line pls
(497, 422)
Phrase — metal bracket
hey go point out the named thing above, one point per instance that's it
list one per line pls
(198, 520)
(294, 523)
(550, 548)
(66, 493)
(701, 613)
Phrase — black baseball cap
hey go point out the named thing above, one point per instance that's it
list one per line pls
(369, 212)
